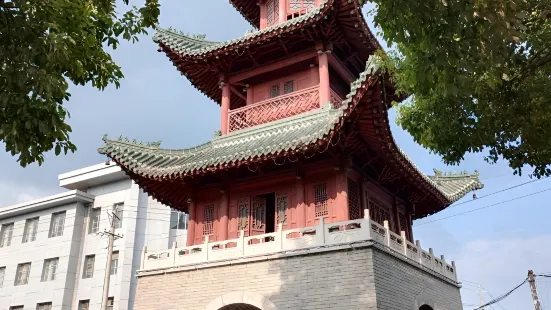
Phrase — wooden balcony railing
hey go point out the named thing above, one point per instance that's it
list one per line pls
(336, 100)
(273, 109)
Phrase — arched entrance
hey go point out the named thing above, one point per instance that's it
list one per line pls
(240, 307)
(241, 301)
(423, 307)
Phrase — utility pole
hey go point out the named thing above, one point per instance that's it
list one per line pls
(533, 289)
(111, 235)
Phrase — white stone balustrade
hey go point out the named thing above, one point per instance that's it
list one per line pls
(321, 235)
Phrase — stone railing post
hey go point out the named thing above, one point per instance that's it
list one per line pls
(366, 214)
(241, 242)
(454, 271)
(418, 244)
(320, 232)
(174, 252)
(404, 242)
(206, 249)
(387, 234)
(279, 237)
(144, 256)
(444, 267)
(432, 263)
(366, 226)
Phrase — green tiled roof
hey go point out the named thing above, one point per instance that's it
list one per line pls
(194, 47)
(288, 134)
(456, 185)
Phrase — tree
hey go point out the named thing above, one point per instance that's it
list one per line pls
(479, 75)
(43, 45)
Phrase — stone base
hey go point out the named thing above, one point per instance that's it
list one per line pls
(364, 277)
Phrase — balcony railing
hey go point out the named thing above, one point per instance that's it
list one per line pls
(322, 235)
(277, 108)
(273, 109)
(336, 100)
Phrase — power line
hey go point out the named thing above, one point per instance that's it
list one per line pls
(485, 207)
(503, 296)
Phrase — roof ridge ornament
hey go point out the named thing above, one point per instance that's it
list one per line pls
(464, 173)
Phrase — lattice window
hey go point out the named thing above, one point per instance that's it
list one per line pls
(302, 5)
(274, 91)
(258, 215)
(289, 87)
(208, 226)
(377, 212)
(320, 199)
(354, 209)
(243, 215)
(403, 223)
(272, 12)
(281, 204)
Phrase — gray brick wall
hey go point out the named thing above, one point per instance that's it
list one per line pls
(399, 286)
(347, 279)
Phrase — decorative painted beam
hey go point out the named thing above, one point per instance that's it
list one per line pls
(273, 66)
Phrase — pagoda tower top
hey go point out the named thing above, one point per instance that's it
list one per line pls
(302, 90)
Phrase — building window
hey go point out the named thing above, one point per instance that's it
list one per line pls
(178, 220)
(31, 228)
(16, 308)
(377, 212)
(84, 305)
(117, 209)
(320, 199)
(208, 226)
(95, 216)
(57, 224)
(110, 303)
(44, 306)
(301, 5)
(403, 222)
(243, 223)
(6, 233)
(22, 274)
(354, 210)
(2, 274)
(274, 91)
(288, 87)
(281, 205)
(114, 262)
(272, 12)
(49, 269)
(88, 271)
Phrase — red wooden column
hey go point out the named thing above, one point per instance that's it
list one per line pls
(301, 203)
(250, 95)
(225, 107)
(263, 14)
(410, 210)
(224, 212)
(191, 224)
(325, 88)
(341, 199)
(283, 11)
(396, 216)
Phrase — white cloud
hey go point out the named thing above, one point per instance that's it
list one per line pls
(14, 193)
(500, 265)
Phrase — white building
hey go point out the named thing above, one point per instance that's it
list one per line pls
(52, 255)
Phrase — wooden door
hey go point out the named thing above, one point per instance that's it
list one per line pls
(282, 211)
(258, 216)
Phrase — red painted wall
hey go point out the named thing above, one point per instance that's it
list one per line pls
(302, 80)
(299, 212)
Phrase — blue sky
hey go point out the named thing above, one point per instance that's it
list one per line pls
(494, 247)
